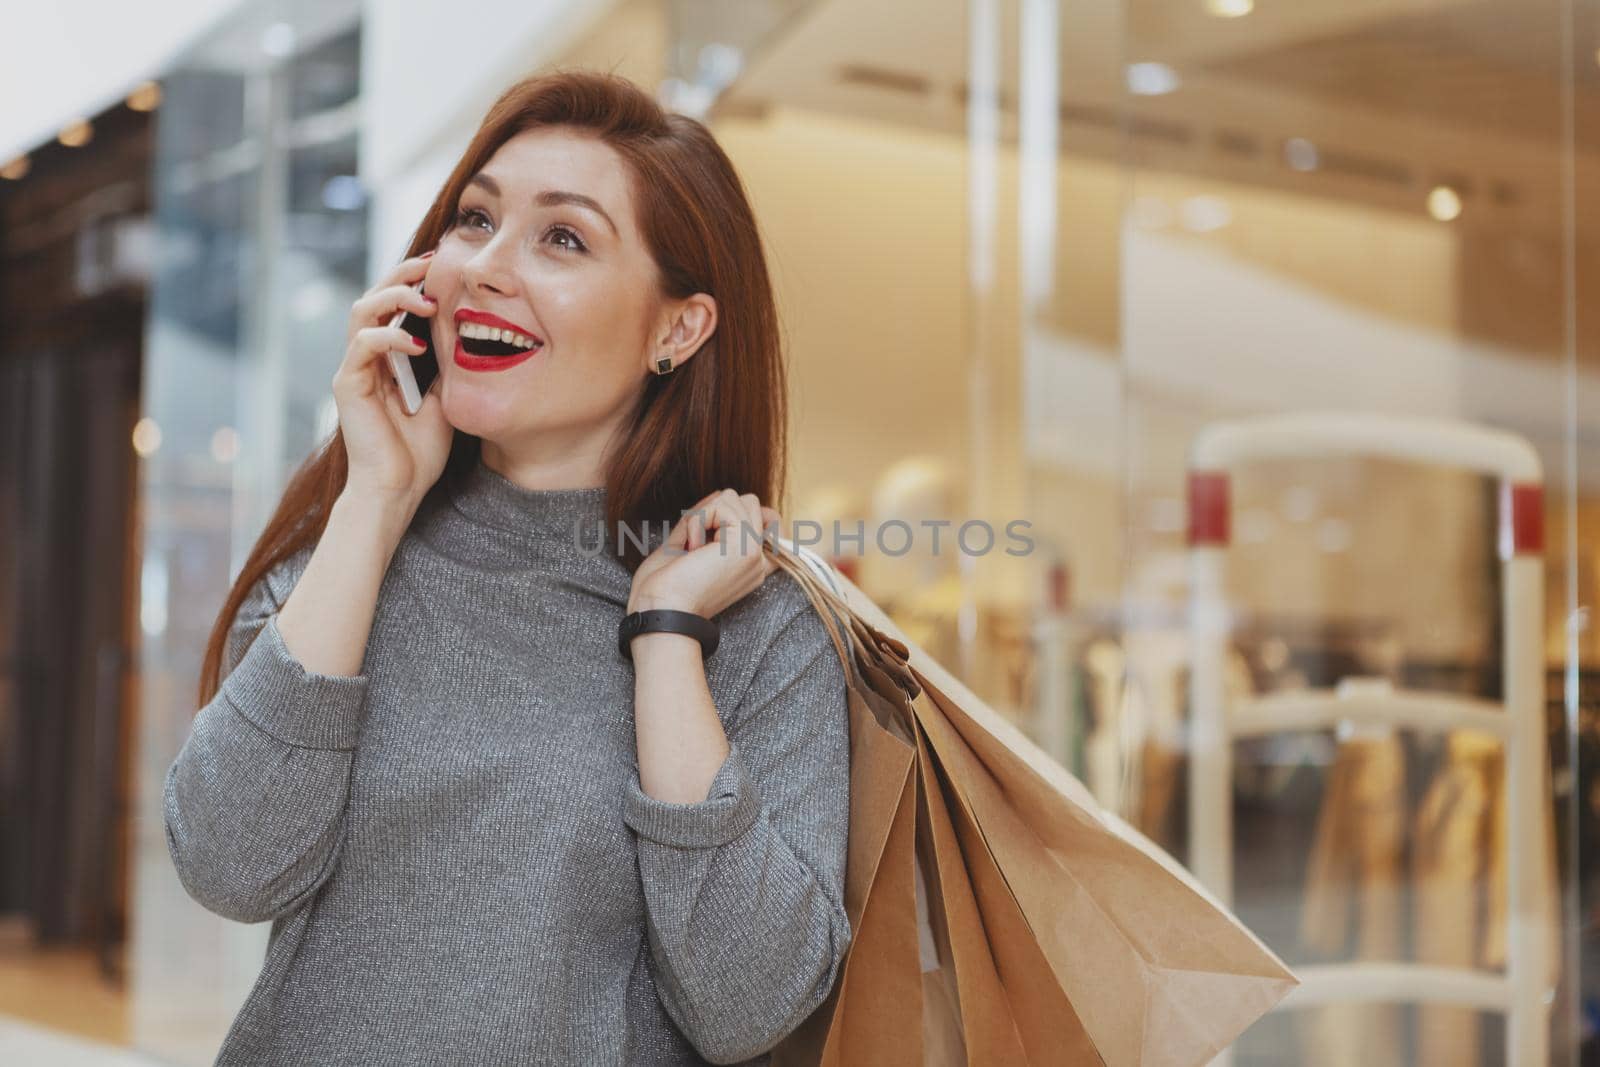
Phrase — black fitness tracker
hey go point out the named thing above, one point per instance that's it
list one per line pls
(667, 620)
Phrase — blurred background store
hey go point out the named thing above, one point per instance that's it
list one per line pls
(1027, 253)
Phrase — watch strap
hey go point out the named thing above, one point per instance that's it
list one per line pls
(667, 620)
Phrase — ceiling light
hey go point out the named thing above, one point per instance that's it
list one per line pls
(75, 134)
(1230, 9)
(145, 97)
(1151, 79)
(1444, 203)
(146, 436)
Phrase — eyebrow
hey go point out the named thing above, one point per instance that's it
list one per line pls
(551, 198)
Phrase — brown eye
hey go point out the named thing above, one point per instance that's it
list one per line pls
(577, 244)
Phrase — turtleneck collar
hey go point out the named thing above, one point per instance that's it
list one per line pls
(574, 517)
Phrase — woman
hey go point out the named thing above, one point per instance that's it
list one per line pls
(481, 832)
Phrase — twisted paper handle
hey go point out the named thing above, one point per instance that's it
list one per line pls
(866, 643)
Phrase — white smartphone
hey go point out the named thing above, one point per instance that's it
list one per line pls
(414, 374)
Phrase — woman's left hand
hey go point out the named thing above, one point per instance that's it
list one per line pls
(709, 559)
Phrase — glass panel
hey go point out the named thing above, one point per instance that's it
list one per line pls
(1031, 252)
(263, 249)
(851, 136)
(1346, 219)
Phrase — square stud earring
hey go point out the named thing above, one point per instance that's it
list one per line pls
(664, 365)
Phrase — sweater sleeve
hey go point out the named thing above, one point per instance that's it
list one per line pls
(744, 890)
(254, 802)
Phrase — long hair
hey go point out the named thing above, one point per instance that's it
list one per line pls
(717, 421)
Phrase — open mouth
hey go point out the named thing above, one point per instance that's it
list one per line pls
(479, 340)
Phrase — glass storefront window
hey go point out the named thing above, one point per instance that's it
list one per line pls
(1331, 214)
(263, 248)
(1031, 254)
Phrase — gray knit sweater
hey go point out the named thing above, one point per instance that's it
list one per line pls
(453, 847)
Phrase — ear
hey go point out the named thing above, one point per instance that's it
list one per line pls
(688, 324)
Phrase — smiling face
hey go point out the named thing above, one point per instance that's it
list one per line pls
(527, 252)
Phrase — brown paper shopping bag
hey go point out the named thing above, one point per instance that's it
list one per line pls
(999, 916)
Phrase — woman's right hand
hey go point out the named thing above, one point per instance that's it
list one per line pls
(392, 456)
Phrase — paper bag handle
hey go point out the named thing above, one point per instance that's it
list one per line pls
(867, 642)
(823, 599)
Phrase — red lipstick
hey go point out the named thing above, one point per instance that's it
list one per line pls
(467, 361)
(483, 318)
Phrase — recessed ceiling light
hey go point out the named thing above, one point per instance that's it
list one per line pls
(145, 97)
(74, 134)
(1230, 9)
(1444, 203)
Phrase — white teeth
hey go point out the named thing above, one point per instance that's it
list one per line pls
(493, 333)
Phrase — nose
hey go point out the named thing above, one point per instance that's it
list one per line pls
(490, 268)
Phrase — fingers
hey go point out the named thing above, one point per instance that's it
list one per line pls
(771, 521)
(720, 512)
(734, 517)
(374, 343)
(752, 507)
(381, 340)
(742, 516)
(747, 523)
(688, 533)
(762, 524)
(380, 305)
(691, 523)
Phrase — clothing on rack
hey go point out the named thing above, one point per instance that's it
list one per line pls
(1162, 753)
(1460, 867)
(1459, 859)
(1106, 670)
(1357, 885)
(1354, 893)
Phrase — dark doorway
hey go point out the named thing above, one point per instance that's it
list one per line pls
(74, 259)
